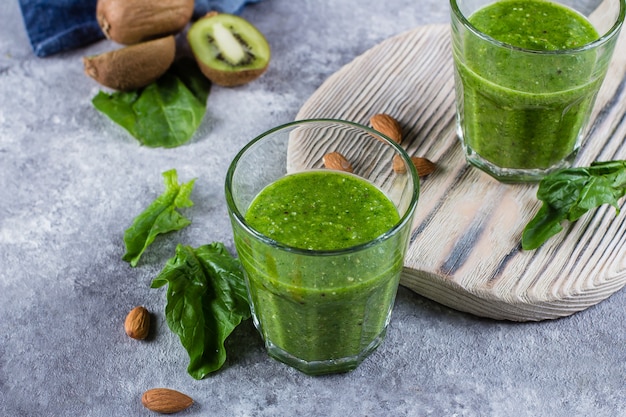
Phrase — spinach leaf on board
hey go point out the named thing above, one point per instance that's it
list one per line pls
(206, 301)
(569, 193)
(167, 112)
(159, 217)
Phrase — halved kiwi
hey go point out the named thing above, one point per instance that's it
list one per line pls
(229, 50)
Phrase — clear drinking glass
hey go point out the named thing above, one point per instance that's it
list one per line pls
(321, 311)
(523, 112)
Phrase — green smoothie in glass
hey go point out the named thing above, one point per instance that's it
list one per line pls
(327, 306)
(526, 83)
(322, 250)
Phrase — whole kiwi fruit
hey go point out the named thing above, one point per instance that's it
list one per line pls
(132, 67)
(229, 50)
(132, 21)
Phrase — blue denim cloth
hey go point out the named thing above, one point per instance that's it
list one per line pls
(60, 25)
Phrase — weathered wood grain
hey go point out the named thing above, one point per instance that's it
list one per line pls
(465, 249)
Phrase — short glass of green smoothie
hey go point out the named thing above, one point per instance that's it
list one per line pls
(322, 245)
(527, 73)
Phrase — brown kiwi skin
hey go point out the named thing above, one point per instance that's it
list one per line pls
(230, 79)
(132, 67)
(132, 21)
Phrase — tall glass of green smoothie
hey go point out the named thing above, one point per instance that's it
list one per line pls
(321, 223)
(527, 73)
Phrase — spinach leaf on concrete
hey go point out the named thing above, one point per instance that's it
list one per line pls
(186, 69)
(569, 193)
(166, 113)
(206, 301)
(159, 217)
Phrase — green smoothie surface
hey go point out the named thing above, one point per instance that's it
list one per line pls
(322, 210)
(534, 24)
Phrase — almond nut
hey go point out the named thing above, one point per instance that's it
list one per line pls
(337, 161)
(137, 324)
(388, 126)
(165, 400)
(423, 165)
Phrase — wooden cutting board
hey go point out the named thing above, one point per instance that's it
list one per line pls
(465, 248)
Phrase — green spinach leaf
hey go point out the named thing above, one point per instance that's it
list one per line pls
(206, 301)
(159, 217)
(165, 113)
(569, 193)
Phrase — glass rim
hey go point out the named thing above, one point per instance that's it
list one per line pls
(406, 217)
(612, 32)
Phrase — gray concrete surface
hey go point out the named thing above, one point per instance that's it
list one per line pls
(71, 182)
